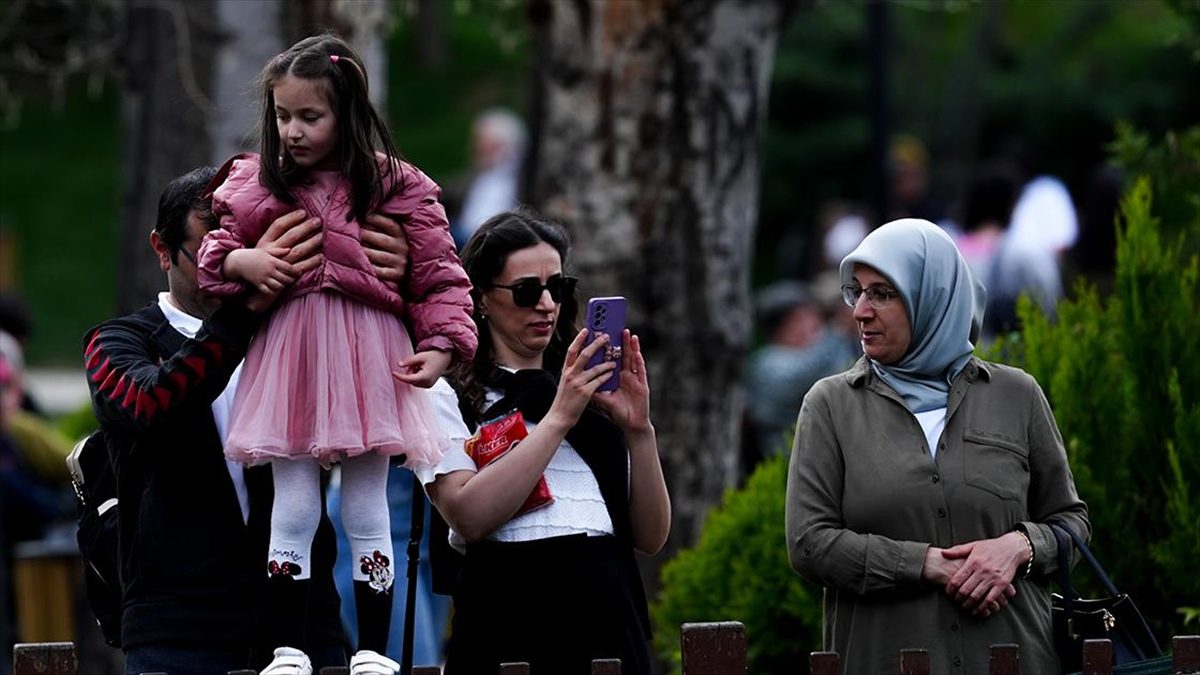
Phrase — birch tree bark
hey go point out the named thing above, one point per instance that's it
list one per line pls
(647, 121)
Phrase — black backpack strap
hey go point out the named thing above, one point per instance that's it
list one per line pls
(415, 532)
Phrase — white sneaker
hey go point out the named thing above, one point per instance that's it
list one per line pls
(289, 661)
(367, 662)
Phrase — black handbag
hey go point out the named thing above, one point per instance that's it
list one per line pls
(1076, 619)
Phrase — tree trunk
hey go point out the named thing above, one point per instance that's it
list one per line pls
(648, 117)
(253, 34)
(165, 114)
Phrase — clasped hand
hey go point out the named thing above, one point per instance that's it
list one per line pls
(978, 574)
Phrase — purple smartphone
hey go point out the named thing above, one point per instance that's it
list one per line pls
(607, 315)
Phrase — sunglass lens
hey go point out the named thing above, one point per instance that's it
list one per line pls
(560, 287)
(527, 292)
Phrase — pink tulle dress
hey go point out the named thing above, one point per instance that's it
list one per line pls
(317, 381)
(317, 378)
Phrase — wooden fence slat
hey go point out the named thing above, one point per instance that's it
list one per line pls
(914, 662)
(713, 648)
(45, 658)
(1004, 659)
(1187, 653)
(426, 670)
(1097, 657)
(606, 667)
(825, 663)
(514, 669)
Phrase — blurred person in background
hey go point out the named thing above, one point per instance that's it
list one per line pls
(16, 320)
(908, 166)
(498, 140)
(799, 350)
(43, 449)
(28, 504)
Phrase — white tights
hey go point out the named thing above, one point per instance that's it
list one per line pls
(297, 511)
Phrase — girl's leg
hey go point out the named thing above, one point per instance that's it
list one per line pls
(295, 515)
(365, 519)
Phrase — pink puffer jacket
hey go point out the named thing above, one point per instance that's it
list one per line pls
(434, 298)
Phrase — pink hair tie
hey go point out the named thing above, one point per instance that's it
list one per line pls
(333, 57)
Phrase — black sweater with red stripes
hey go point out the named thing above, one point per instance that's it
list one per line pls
(192, 571)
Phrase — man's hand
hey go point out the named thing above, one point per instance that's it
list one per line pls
(293, 240)
(423, 368)
(386, 248)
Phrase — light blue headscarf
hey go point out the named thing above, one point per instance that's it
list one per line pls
(944, 300)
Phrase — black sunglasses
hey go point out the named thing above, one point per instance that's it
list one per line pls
(527, 292)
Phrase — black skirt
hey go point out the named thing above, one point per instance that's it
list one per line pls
(556, 604)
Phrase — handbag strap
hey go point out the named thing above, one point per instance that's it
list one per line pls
(1061, 534)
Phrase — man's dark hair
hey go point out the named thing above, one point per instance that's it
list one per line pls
(179, 198)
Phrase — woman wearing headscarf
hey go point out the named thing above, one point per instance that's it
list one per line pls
(922, 479)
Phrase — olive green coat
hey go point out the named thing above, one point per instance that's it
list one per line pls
(865, 501)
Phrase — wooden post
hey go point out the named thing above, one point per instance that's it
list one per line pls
(514, 669)
(825, 663)
(914, 662)
(714, 648)
(606, 667)
(1187, 653)
(45, 658)
(426, 670)
(1097, 657)
(1004, 660)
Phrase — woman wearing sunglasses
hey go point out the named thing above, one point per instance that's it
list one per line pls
(923, 478)
(557, 586)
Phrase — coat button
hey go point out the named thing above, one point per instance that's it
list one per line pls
(957, 662)
(953, 628)
(936, 478)
(941, 513)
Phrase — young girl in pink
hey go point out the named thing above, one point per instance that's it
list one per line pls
(317, 385)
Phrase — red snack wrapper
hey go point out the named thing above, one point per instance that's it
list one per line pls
(493, 440)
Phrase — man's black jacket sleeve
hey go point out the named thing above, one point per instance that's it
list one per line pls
(137, 387)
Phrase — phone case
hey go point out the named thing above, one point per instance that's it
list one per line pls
(607, 315)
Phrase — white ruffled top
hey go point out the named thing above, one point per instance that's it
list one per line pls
(578, 507)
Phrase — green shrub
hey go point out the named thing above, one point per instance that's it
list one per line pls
(1123, 376)
(739, 571)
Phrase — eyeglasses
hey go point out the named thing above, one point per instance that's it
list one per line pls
(527, 292)
(877, 297)
(187, 254)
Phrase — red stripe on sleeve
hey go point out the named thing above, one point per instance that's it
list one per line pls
(130, 396)
(215, 350)
(102, 371)
(196, 364)
(179, 380)
(119, 389)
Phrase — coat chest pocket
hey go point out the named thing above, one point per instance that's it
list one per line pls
(999, 465)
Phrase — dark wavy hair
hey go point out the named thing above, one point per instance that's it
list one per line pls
(483, 258)
(360, 130)
(182, 196)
